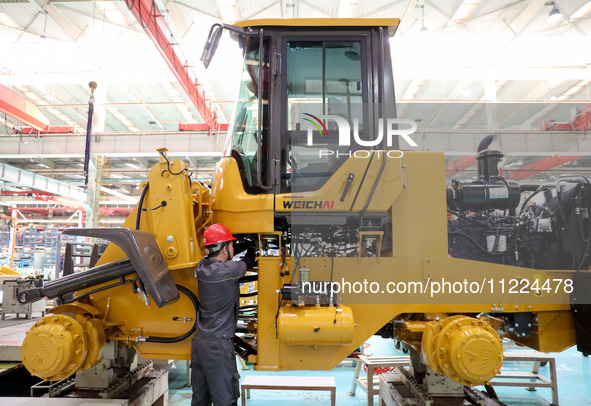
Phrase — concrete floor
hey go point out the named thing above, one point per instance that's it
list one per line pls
(574, 383)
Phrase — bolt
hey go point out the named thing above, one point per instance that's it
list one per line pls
(147, 250)
(516, 307)
(156, 259)
(516, 324)
(170, 238)
(529, 324)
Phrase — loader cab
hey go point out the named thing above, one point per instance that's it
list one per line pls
(303, 81)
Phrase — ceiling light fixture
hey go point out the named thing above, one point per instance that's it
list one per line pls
(423, 28)
(555, 14)
(43, 36)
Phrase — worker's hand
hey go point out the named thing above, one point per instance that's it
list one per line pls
(243, 245)
(249, 258)
(250, 254)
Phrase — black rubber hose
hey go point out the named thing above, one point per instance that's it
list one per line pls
(138, 215)
(529, 188)
(538, 190)
(170, 340)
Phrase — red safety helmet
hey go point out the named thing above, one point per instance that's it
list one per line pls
(216, 234)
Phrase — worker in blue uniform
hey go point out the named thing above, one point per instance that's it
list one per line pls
(214, 376)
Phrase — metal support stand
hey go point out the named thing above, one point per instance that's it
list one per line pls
(529, 380)
(420, 386)
(401, 389)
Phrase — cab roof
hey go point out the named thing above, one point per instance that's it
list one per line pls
(391, 23)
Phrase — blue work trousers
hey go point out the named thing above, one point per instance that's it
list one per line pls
(214, 376)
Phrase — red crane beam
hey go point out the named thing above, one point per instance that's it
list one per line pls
(104, 211)
(51, 129)
(460, 164)
(582, 122)
(541, 165)
(149, 17)
(21, 109)
(200, 126)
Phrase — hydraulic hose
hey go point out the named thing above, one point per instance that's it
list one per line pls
(170, 340)
(138, 215)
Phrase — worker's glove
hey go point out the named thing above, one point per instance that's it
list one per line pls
(243, 245)
(249, 258)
